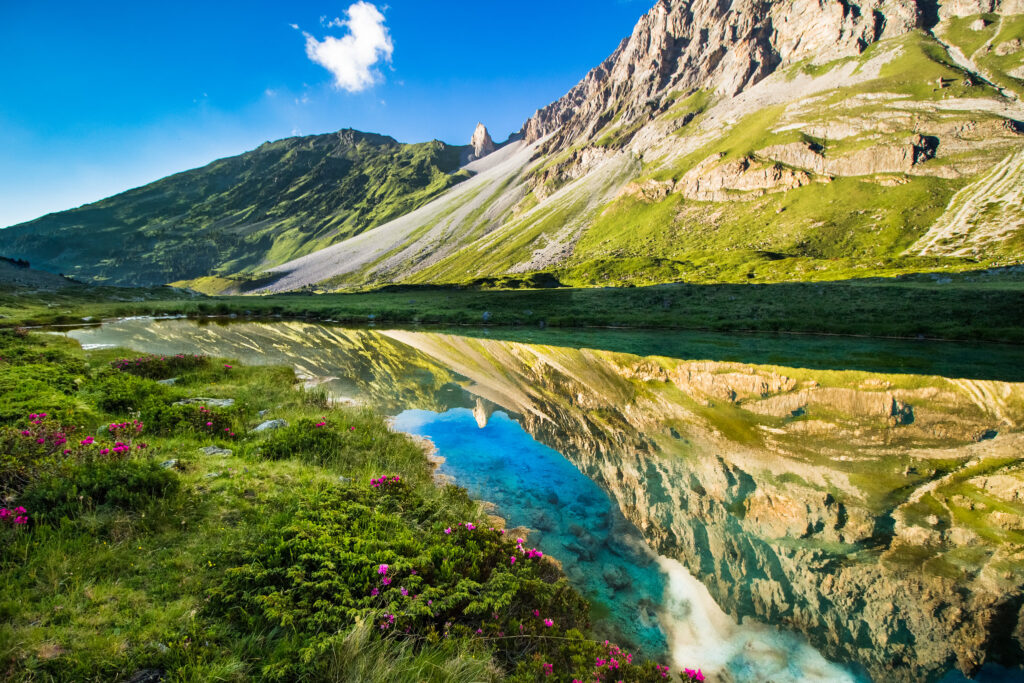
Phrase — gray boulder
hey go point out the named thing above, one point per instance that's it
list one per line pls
(209, 402)
(271, 424)
(215, 450)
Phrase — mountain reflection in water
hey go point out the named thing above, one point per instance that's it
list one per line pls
(880, 515)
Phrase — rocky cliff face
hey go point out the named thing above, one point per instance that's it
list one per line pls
(682, 45)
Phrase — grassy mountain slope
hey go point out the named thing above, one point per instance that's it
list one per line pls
(818, 186)
(835, 164)
(240, 214)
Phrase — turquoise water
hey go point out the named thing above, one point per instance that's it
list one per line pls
(651, 603)
(573, 519)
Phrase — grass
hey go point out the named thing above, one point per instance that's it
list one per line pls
(975, 305)
(105, 591)
(239, 215)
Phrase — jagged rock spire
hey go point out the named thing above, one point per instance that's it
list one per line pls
(481, 142)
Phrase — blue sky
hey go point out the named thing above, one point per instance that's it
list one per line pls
(96, 98)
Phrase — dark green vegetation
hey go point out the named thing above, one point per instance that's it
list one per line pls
(983, 305)
(240, 214)
(130, 550)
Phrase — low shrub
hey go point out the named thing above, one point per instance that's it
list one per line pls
(312, 441)
(22, 392)
(122, 484)
(47, 447)
(384, 555)
(123, 393)
(160, 367)
(170, 419)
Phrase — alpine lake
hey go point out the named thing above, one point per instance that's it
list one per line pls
(769, 508)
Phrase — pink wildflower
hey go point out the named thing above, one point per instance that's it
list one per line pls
(383, 570)
(448, 530)
(549, 623)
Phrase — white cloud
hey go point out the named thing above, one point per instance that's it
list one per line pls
(351, 58)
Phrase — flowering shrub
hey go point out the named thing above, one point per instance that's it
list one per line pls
(46, 447)
(123, 484)
(165, 419)
(121, 393)
(160, 367)
(314, 441)
(17, 517)
(27, 452)
(381, 554)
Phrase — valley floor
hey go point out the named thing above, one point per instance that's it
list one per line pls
(985, 305)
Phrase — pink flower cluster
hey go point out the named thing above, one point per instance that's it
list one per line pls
(18, 515)
(46, 432)
(389, 621)
(384, 481)
(125, 428)
(530, 553)
(693, 674)
(123, 364)
(548, 669)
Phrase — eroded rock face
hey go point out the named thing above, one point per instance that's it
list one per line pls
(725, 47)
(481, 142)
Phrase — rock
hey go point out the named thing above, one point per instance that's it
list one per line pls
(723, 47)
(215, 450)
(271, 424)
(168, 382)
(481, 142)
(486, 317)
(169, 464)
(1009, 47)
(869, 161)
(146, 676)
(542, 521)
(209, 402)
(616, 577)
(978, 25)
(263, 412)
(739, 179)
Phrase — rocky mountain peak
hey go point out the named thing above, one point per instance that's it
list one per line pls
(481, 142)
(724, 47)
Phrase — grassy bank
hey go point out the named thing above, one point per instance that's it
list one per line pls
(967, 307)
(130, 553)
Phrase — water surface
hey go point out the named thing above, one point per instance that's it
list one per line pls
(861, 496)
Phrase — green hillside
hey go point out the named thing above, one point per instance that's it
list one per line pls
(240, 214)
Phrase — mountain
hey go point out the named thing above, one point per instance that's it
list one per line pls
(240, 214)
(753, 140)
(742, 141)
